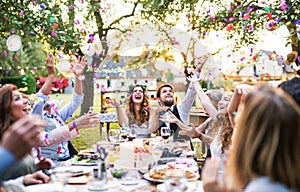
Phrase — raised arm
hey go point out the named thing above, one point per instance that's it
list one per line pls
(122, 118)
(204, 99)
(156, 108)
(45, 89)
(233, 105)
(78, 70)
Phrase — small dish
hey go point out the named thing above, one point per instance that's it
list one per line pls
(98, 186)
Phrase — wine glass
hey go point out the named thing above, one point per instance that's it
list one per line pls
(113, 135)
(132, 133)
(61, 174)
(165, 133)
(156, 150)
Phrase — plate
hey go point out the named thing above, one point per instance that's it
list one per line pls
(78, 171)
(84, 164)
(147, 177)
(98, 186)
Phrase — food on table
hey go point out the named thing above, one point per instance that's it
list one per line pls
(161, 173)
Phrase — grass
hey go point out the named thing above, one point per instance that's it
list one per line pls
(88, 137)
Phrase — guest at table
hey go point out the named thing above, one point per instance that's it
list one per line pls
(264, 155)
(137, 112)
(165, 97)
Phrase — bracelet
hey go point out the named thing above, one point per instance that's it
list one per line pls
(75, 127)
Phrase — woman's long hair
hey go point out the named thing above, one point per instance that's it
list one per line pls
(267, 139)
(223, 124)
(6, 118)
(144, 111)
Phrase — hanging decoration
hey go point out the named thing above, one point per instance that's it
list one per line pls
(14, 43)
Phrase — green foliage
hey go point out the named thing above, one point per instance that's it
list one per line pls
(31, 58)
(49, 22)
(26, 84)
(244, 18)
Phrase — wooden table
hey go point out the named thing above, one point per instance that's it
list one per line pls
(197, 118)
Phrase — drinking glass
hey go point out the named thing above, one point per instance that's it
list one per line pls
(61, 174)
(156, 150)
(113, 135)
(165, 133)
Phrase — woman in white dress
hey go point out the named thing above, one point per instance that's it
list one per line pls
(137, 111)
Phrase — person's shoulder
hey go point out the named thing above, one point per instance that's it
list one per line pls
(263, 184)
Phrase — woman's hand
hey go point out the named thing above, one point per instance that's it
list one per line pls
(79, 67)
(193, 78)
(210, 175)
(200, 61)
(170, 118)
(188, 130)
(36, 178)
(89, 120)
(50, 65)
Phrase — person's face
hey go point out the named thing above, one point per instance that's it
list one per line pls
(137, 95)
(18, 105)
(28, 107)
(167, 96)
(223, 103)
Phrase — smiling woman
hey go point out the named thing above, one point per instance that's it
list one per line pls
(137, 111)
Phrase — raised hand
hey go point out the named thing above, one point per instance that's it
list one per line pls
(200, 61)
(79, 67)
(50, 64)
(193, 78)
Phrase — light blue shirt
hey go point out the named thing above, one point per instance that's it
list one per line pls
(263, 184)
(6, 161)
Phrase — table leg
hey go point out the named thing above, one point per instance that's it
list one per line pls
(100, 130)
(107, 130)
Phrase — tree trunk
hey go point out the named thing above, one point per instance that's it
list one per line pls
(88, 90)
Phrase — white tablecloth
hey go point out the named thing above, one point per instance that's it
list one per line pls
(108, 117)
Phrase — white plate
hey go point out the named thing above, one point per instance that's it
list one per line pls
(84, 164)
(80, 170)
(146, 176)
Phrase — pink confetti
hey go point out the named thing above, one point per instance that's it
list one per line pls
(21, 13)
(5, 53)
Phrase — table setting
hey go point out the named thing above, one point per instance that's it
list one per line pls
(150, 164)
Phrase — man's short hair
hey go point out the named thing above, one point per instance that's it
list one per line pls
(160, 87)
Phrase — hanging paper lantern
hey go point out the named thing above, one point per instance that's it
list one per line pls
(14, 43)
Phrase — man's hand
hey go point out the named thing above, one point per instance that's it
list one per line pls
(22, 135)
